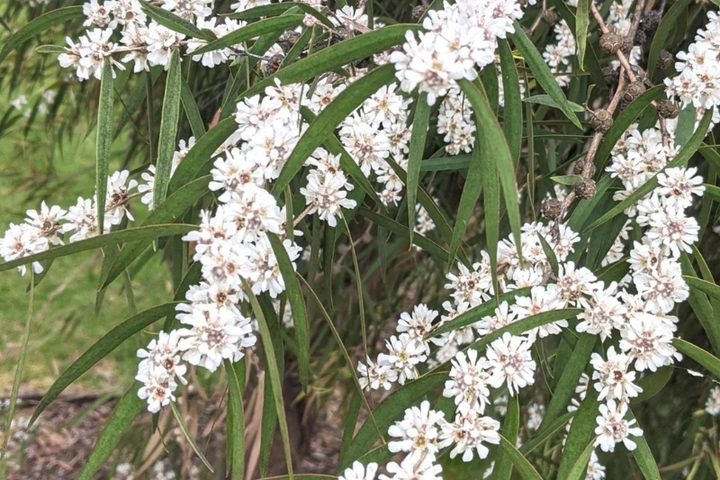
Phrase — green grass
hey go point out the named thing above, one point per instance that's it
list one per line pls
(34, 168)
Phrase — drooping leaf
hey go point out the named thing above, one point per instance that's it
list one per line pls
(188, 436)
(168, 129)
(512, 108)
(668, 24)
(252, 30)
(582, 22)
(39, 25)
(703, 357)
(511, 424)
(644, 457)
(522, 465)
(236, 422)
(417, 148)
(175, 23)
(581, 433)
(542, 73)
(103, 141)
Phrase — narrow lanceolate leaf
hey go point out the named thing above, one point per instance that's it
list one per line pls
(522, 465)
(171, 209)
(713, 192)
(129, 407)
(278, 9)
(682, 157)
(176, 23)
(103, 141)
(476, 314)
(256, 29)
(491, 203)
(297, 306)
(328, 120)
(512, 109)
(710, 289)
(703, 357)
(388, 411)
(37, 26)
(495, 149)
(623, 122)
(188, 436)
(664, 32)
(336, 56)
(542, 72)
(192, 112)
(131, 234)
(168, 129)
(102, 349)
(236, 422)
(417, 148)
(581, 433)
(579, 469)
(273, 372)
(542, 437)
(644, 457)
(582, 21)
(569, 378)
(511, 424)
(653, 384)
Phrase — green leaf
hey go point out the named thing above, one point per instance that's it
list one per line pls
(623, 122)
(297, 306)
(476, 314)
(542, 73)
(703, 357)
(579, 469)
(582, 22)
(548, 432)
(581, 432)
(569, 379)
(682, 157)
(567, 179)
(248, 32)
(191, 111)
(171, 209)
(701, 306)
(186, 432)
(457, 162)
(132, 234)
(712, 192)
(495, 152)
(102, 349)
(388, 411)
(168, 129)
(273, 372)
(39, 25)
(331, 116)
(544, 99)
(685, 125)
(274, 9)
(512, 109)
(525, 468)
(710, 289)
(644, 457)
(122, 417)
(336, 56)
(417, 148)
(511, 424)
(652, 384)
(668, 25)
(103, 141)
(402, 232)
(236, 422)
(175, 23)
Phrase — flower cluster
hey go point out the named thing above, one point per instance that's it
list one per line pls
(457, 40)
(47, 227)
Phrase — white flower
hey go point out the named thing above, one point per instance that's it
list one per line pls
(419, 323)
(21, 241)
(468, 434)
(161, 42)
(468, 380)
(358, 471)
(157, 390)
(595, 471)
(326, 194)
(613, 428)
(375, 375)
(535, 416)
(648, 339)
(414, 467)
(417, 432)
(712, 405)
(47, 222)
(404, 354)
(259, 265)
(614, 380)
(511, 362)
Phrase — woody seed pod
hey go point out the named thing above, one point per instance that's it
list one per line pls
(650, 21)
(633, 91)
(640, 37)
(665, 60)
(611, 42)
(550, 17)
(585, 189)
(272, 65)
(418, 12)
(668, 109)
(627, 45)
(551, 208)
(580, 166)
(601, 120)
(611, 75)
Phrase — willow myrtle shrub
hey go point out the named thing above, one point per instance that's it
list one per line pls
(551, 168)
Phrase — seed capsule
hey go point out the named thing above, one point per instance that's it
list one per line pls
(611, 75)
(650, 21)
(633, 91)
(272, 65)
(550, 17)
(611, 42)
(551, 208)
(640, 37)
(418, 12)
(627, 45)
(668, 109)
(665, 60)
(585, 189)
(580, 166)
(601, 120)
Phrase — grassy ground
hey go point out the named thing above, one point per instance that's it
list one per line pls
(64, 325)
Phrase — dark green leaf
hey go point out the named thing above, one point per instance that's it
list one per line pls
(168, 129)
(525, 468)
(252, 30)
(417, 148)
(103, 141)
(668, 25)
(175, 23)
(512, 109)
